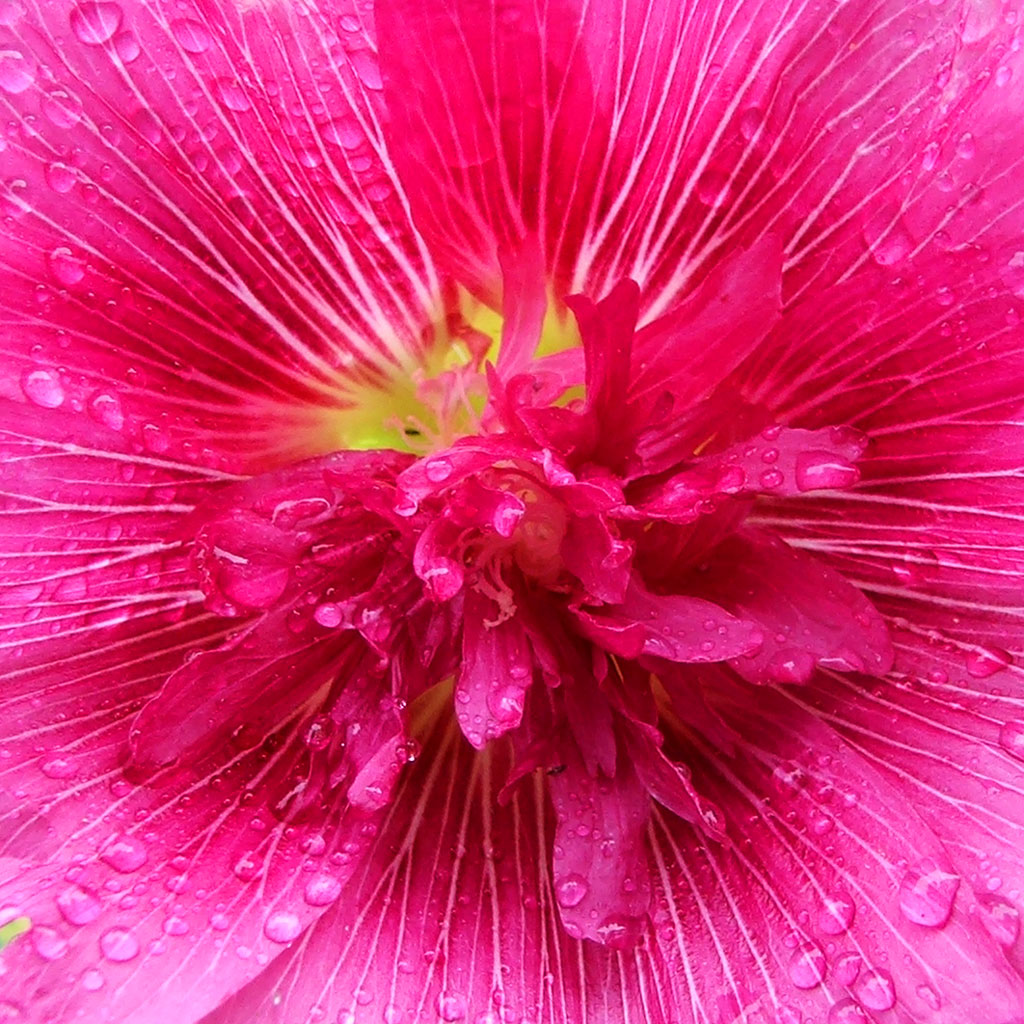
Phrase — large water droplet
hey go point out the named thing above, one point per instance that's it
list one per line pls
(231, 94)
(282, 926)
(93, 980)
(96, 21)
(875, 990)
(927, 892)
(48, 942)
(17, 72)
(451, 1006)
(59, 767)
(807, 966)
(62, 109)
(620, 931)
(322, 890)
(1011, 738)
(820, 470)
(837, 914)
(983, 662)
(119, 945)
(106, 409)
(78, 906)
(125, 854)
(67, 268)
(1000, 918)
(438, 469)
(846, 1011)
(571, 890)
(60, 177)
(888, 240)
(192, 36)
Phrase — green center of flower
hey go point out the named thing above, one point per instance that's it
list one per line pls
(422, 406)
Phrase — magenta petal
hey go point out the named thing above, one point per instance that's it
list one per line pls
(810, 615)
(213, 275)
(669, 626)
(496, 671)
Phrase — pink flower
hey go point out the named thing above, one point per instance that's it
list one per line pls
(512, 512)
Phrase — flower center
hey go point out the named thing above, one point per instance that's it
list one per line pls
(426, 404)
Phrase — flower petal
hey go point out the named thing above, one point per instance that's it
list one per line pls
(646, 141)
(219, 248)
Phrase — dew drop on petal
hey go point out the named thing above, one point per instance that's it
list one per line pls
(875, 990)
(929, 997)
(62, 109)
(124, 853)
(67, 268)
(282, 926)
(191, 35)
(78, 906)
(106, 409)
(888, 241)
(1000, 918)
(846, 1011)
(93, 980)
(1011, 738)
(620, 931)
(846, 968)
(570, 890)
(48, 942)
(231, 94)
(451, 1007)
(807, 966)
(322, 890)
(328, 615)
(17, 72)
(926, 894)
(60, 177)
(438, 470)
(983, 662)
(824, 471)
(95, 21)
(837, 914)
(119, 945)
(58, 767)
(43, 388)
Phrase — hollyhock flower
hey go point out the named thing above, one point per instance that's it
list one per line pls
(512, 513)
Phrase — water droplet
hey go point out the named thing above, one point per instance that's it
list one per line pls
(820, 470)
(119, 945)
(571, 890)
(927, 892)
(807, 966)
(966, 148)
(983, 662)
(451, 1007)
(750, 121)
(58, 767)
(328, 615)
(93, 980)
(438, 469)
(771, 478)
(60, 177)
(78, 906)
(714, 189)
(1000, 918)
(846, 1011)
(106, 409)
(345, 132)
(1011, 738)
(95, 21)
(62, 109)
(282, 926)
(930, 997)
(175, 925)
(48, 942)
(875, 990)
(620, 931)
(231, 94)
(66, 268)
(127, 47)
(124, 853)
(888, 240)
(192, 36)
(322, 890)
(17, 72)
(846, 968)
(837, 914)
(365, 65)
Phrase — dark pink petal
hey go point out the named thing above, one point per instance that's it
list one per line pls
(811, 617)
(648, 142)
(669, 626)
(496, 671)
(455, 919)
(218, 247)
(599, 866)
